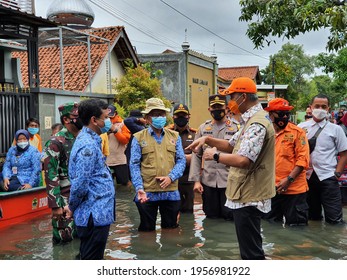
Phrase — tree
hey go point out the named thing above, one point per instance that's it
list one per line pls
(136, 86)
(330, 87)
(335, 64)
(289, 18)
(291, 67)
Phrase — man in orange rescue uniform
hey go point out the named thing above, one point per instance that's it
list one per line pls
(292, 160)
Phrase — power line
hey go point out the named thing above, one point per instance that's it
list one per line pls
(123, 17)
(203, 27)
(155, 20)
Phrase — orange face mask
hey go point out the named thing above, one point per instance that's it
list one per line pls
(234, 108)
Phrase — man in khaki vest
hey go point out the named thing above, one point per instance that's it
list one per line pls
(157, 161)
(251, 180)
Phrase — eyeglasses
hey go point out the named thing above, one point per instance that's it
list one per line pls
(281, 114)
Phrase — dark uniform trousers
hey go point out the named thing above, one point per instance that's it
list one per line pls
(217, 209)
(248, 220)
(324, 193)
(148, 214)
(93, 240)
(293, 207)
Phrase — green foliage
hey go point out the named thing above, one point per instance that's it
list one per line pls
(120, 110)
(291, 67)
(136, 86)
(289, 18)
(332, 63)
(305, 97)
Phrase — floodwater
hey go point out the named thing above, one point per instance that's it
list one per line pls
(197, 238)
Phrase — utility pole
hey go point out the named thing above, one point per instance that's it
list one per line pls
(273, 76)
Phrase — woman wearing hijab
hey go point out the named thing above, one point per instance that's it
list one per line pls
(22, 166)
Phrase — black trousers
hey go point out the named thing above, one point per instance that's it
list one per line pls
(247, 222)
(293, 207)
(149, 210)
(213, 203)
(93, 240)
(326, 194)
(187, 197)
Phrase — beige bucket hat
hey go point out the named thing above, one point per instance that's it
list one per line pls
(154, 104)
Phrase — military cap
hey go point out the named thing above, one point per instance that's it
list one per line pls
(181, 108)
(70, 108)
(217, 99)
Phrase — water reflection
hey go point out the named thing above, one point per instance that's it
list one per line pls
(196, 238)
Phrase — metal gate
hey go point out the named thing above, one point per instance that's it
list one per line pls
(16, 108)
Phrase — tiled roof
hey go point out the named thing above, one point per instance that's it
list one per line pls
(76, 75)
(230, 73)
(168, 51)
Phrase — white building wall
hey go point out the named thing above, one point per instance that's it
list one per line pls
(100, 80)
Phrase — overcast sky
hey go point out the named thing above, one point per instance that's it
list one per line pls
(153, 26)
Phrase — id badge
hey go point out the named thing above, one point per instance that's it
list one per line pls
(14, 170)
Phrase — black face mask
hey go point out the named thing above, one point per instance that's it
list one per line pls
(218, 114)
(77, 122)
(181, 121)
(281, 122)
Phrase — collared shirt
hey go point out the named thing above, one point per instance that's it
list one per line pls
(92, 189)
(292, 150)
(252, 138)
(251, 145)
(331, 141)
(211, 173)
(176, 172)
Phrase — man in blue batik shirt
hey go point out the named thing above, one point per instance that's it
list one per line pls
(157, 162)
(92, 197)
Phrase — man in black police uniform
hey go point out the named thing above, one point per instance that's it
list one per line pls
(181, 118)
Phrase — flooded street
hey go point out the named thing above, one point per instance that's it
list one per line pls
(197, 238)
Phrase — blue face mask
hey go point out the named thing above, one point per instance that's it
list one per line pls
(33, 130)
(158, 122)
(107, 125)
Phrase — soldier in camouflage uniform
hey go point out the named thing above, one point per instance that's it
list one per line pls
(56, 162)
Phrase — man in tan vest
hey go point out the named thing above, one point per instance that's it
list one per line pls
(251, 180)
(157, 161)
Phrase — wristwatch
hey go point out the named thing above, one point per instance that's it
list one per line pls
(216, 157)
(290, 179)
(337, 174)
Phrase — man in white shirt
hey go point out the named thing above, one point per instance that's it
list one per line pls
(325, 167)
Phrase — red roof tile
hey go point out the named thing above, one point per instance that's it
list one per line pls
(75, 57)
(230, 73)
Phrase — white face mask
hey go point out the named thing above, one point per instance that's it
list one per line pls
(319, 114)
(23, 144)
